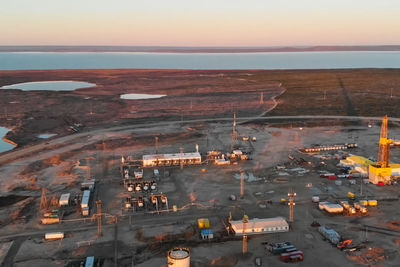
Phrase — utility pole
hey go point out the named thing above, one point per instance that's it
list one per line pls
(99, 232)
(291, 204)
(234, 132)
(262, 98)
(245, 221)
(241, 184)
(181, 161)
(156, 139)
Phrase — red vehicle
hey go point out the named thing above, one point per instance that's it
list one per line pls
(290, 256)
(296, 258)
(381, 183)
(326, 175)
(332, 177)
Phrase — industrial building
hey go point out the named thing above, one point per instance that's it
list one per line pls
(356, 161)
(370, 169)
(171, 159)
(260, 226)
(327, 148)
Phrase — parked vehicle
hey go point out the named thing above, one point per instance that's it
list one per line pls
(293, 256)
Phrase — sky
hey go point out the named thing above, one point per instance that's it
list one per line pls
(200, 22)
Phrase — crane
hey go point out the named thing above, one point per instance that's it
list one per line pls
(384, 145)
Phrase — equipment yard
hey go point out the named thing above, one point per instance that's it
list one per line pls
(152, 192)
(143, 235)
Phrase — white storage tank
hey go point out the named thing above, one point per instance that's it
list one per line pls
(179, 257)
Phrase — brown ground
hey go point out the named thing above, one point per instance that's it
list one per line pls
(191, 94)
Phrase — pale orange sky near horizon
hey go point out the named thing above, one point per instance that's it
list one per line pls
(205, 23)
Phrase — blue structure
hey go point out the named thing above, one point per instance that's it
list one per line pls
(89, 261)
(207, 234)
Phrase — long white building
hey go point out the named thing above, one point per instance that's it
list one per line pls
(260, 226)
(171, 159)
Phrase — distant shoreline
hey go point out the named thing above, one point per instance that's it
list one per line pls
(173, 49)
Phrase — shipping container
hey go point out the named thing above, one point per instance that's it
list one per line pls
(85, 199)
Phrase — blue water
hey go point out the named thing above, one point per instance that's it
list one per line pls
(111, 60)
(52, 86)
(45, 136)
(4, 146)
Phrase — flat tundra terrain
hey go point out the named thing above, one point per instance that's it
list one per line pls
(197, 109)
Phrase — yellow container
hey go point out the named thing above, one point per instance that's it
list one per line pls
(372, 202)
(350, 194)
(203, 223)
(364, 202)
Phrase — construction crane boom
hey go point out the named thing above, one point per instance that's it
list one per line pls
(384, 145)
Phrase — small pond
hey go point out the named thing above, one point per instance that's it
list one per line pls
(45, 136)
(4, 146)
(139, 96)
(49, 86)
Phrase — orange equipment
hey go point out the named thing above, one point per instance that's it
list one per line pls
(344, 244)
(384, 145)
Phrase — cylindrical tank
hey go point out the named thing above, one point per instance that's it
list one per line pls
(179, 257)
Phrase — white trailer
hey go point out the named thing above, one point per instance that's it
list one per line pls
(54, 236)
(64, 200)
